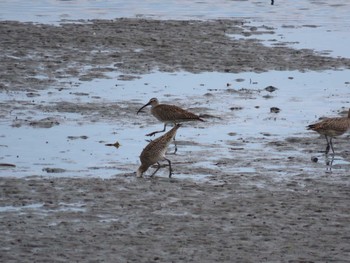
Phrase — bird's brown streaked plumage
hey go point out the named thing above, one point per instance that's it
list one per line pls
(169, 114)
(331, 127)
(155, 152)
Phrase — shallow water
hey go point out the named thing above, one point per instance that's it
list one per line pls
(243, 122)
(303, 12)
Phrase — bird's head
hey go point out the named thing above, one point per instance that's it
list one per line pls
(153, 102)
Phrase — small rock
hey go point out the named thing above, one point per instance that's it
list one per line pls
(275, 110)
(314, 159)
(53, 170)
(270, 88)
(236, 108)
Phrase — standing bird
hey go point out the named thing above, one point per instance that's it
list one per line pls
(331, 127)
(155, 151)
(169, 114)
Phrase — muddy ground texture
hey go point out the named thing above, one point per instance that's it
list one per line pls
(231, 217)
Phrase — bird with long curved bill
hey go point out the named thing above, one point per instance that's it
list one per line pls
(168, 114)
(155, 152)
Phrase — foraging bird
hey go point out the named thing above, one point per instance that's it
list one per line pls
(331, 127)
(155, 151)
(169, 114)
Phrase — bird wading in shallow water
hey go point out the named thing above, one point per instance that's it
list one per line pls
(169, 114)
(330, 128)
(155, 152)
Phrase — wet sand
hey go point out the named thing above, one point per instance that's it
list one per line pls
(230, 217)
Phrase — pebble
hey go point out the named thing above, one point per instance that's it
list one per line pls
(275, 110)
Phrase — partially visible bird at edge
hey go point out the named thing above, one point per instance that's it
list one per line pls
(331, 128)
(169, 114)
(155, 152)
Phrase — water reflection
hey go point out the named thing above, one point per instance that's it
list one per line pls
(329, 163)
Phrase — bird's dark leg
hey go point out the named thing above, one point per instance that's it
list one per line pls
(170, 169)
(331, 144)
(328, 145)
(158, 167)
(175, 146)
(175, 141)
(175, 133)
(153, 133)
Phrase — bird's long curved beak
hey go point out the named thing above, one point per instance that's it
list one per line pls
(144, 106)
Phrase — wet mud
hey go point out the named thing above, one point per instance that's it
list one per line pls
(268, 203)
(162, 220)
(35, 55)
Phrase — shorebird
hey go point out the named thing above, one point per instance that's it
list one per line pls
(155, 151)
(169, 114)
(330, 128)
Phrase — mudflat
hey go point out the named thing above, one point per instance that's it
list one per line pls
(35, 55)
(229, 217)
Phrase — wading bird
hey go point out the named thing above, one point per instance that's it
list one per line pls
(330, 128)
(168, 114)
(155, 152)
